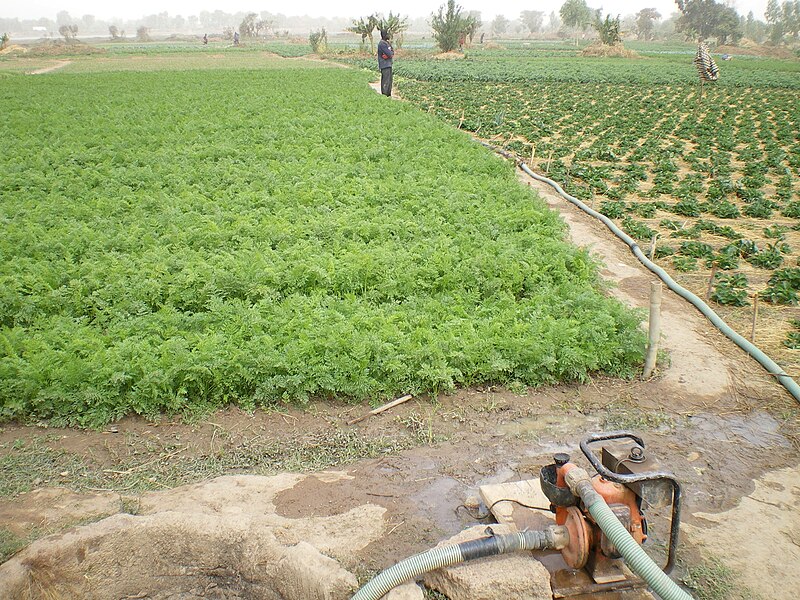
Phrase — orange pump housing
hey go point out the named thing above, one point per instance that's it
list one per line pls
(586, 538)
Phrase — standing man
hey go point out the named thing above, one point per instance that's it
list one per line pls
(385, 54)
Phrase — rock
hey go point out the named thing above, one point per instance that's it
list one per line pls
(51, 509)
(407, 591)
(518, 575)
(305, 574)
(223, 536)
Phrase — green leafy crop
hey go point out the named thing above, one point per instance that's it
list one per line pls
(174, 242)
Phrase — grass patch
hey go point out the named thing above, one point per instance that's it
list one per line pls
(34, 464)
(712, 580)
(10, 544)
(624, 416)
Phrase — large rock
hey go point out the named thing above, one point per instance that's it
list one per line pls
(407, 591)
(219, 540)
(518, 575)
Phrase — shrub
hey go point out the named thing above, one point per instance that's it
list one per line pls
(759, 209)
(637, 229)
(726, 259)
(792, 209)
(662, 251)
(793, 337)
(783, 286)
(730, 290)
(687, 207)
(613, 210)
(318, 41)
(684, 264)
(724, 210)
(696, 250)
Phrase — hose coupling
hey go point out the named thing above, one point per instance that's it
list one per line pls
(580, 484)
(560, 536)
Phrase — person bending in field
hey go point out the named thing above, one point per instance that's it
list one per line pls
(385, 55)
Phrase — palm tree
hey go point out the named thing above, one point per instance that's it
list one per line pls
(364, 27)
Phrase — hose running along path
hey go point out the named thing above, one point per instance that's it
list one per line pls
(765, 361)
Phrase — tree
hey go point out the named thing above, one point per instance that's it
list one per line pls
(608, 30)
(70, 32)
(87, 22)
(393, 25)
(449, 26)
(553, 22)
(500, 25)
(532, 19)
(63, 18)
(4, 41)
(729, 27)
(645, 22)
(364, 27)
(791, 18)
(576, 14)
(247, 28)
(702, 19)
(774, 16)
(142, 34)
(472, 24)
(318, 40)
(114, 31)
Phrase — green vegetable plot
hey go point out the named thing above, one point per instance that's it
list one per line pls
(177, 241)
(714, 172)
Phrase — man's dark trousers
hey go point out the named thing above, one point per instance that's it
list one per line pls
(386, 81)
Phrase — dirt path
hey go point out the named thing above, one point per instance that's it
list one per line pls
(59, 65)
(704, 365)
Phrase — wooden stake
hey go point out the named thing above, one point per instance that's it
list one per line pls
(549, 158)
(654, 332)
(380, 409)
(711, 281)
(653, 246)
(533, 153)
(755, 319)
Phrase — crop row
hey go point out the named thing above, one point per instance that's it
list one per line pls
(712, 173)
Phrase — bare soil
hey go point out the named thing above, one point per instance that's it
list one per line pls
(55, 67)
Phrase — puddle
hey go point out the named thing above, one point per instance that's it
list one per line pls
(437, 500)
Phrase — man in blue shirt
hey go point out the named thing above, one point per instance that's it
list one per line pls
(385, 54)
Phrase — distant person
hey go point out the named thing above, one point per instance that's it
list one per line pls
(385, 55)
(205, 39)
(235, 38)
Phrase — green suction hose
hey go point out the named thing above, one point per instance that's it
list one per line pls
(635, 557)
(770, 365)
(446, 556)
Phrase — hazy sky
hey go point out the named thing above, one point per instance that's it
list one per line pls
(28, 9)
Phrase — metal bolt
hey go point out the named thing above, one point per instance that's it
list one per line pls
(561, 459)
(637, 454)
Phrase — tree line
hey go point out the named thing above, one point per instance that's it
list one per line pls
(452, 25)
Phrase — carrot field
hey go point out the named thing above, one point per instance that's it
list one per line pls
(178, 237)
